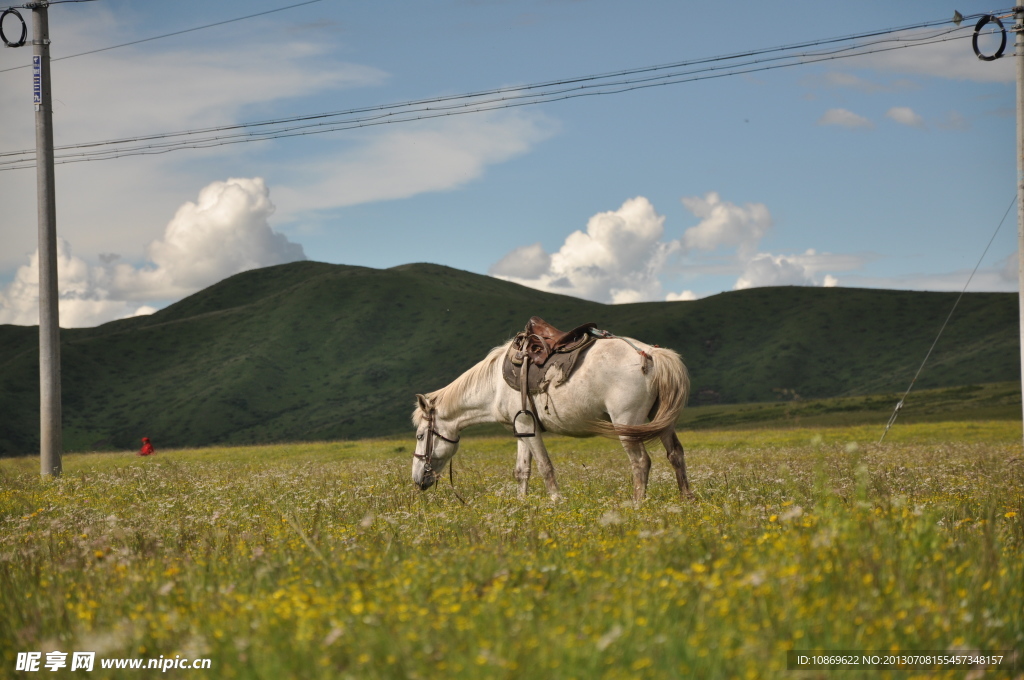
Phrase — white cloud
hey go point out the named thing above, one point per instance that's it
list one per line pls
(224, 233)
(417, 158)
(905, 115)
(622, 255)
(528, 262)
(82, 296)
(773, 270)
(725, 224)
(844, 118)
(951, 59)
(617, 259)
(804, 269)
(681, 297)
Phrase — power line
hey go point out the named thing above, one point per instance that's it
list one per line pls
(159, 37)
(500, 98)
(899, 405)
(546, 84)
(515, 92)
(424, 113)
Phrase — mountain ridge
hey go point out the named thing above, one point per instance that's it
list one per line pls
(310, 350)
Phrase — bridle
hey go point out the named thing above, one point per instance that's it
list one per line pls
(428, 454)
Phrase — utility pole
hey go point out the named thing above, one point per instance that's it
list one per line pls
(50, 437)
(1018, 56)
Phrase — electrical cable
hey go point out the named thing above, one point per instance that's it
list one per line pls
(394, 113)
(542, 84)
(899, 405)
(389, 118)
(472, 96)
(548, 96)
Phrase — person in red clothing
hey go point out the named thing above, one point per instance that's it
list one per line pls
(147, 448)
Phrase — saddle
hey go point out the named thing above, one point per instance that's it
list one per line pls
(543, 347)
(543, 339)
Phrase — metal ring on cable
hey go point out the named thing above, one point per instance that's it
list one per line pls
(977, 29)
(24, 29)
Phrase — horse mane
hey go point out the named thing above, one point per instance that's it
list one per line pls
(471, 380)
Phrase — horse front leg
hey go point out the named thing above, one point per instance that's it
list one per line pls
(544, 466)
(524, 458)
(640, 461)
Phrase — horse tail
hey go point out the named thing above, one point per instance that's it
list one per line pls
(672, 384)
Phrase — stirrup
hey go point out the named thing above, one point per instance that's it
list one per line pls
(533, 424)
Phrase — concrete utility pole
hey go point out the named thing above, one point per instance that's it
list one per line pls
(50, 438)
(1018, 56)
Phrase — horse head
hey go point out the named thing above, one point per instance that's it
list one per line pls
(434, 448)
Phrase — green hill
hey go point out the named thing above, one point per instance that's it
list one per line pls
(312, 351)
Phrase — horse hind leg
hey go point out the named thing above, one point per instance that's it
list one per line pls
(674, 451)
(640, 461)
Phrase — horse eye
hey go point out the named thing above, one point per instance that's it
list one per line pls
(419, 437)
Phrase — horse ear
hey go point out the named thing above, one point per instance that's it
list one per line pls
(425, 405)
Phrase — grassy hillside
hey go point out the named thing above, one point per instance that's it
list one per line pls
(312, 351)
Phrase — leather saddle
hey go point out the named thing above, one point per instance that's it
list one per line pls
(544, 347)
(543, 339)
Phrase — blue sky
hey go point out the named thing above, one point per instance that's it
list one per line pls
(887, 170)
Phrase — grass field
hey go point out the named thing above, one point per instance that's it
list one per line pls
(322, 560)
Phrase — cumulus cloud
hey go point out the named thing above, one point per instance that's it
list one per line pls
(681, 297)
(844, 118)
(773, 270)
(725, 224)
(225, 232)
(82, 295)
(622, 254)
(617, 259)
(905, 115)
(803, 269)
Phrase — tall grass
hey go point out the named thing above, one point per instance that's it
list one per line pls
(322, 560)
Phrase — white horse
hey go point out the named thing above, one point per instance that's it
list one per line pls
(608, 394)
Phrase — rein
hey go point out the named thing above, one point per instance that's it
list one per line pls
(428, 455)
